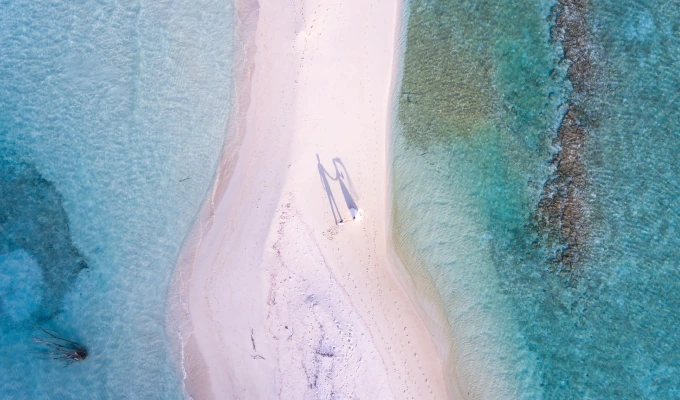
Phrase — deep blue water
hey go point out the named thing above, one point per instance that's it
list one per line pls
(485, 90)
(112, 118)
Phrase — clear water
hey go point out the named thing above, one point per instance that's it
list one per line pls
(112, 117)
(483, 94)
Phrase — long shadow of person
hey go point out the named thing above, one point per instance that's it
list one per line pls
(324, 175)
(348, 191)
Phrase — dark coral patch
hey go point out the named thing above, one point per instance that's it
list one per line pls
(562, 208)
(562, 203)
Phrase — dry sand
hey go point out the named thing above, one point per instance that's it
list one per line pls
(275, 300)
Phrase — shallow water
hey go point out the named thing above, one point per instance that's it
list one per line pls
(484, 91)
(112, 118)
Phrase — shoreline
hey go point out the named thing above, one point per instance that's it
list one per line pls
(271, 298)
(179, 325)
(421, 289)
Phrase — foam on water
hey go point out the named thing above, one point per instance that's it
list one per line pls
(112, 118)
(484, 91)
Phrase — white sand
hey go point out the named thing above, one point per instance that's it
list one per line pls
(276, 300)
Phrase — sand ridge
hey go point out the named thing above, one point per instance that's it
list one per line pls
(280, 301)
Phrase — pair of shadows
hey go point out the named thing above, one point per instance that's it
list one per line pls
(347, 189)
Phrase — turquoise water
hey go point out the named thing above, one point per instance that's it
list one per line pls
(112, 117)
(485, 89)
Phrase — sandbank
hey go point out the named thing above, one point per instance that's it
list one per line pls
(272, 298)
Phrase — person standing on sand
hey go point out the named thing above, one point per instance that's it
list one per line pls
(324, 175)
(348, 191)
